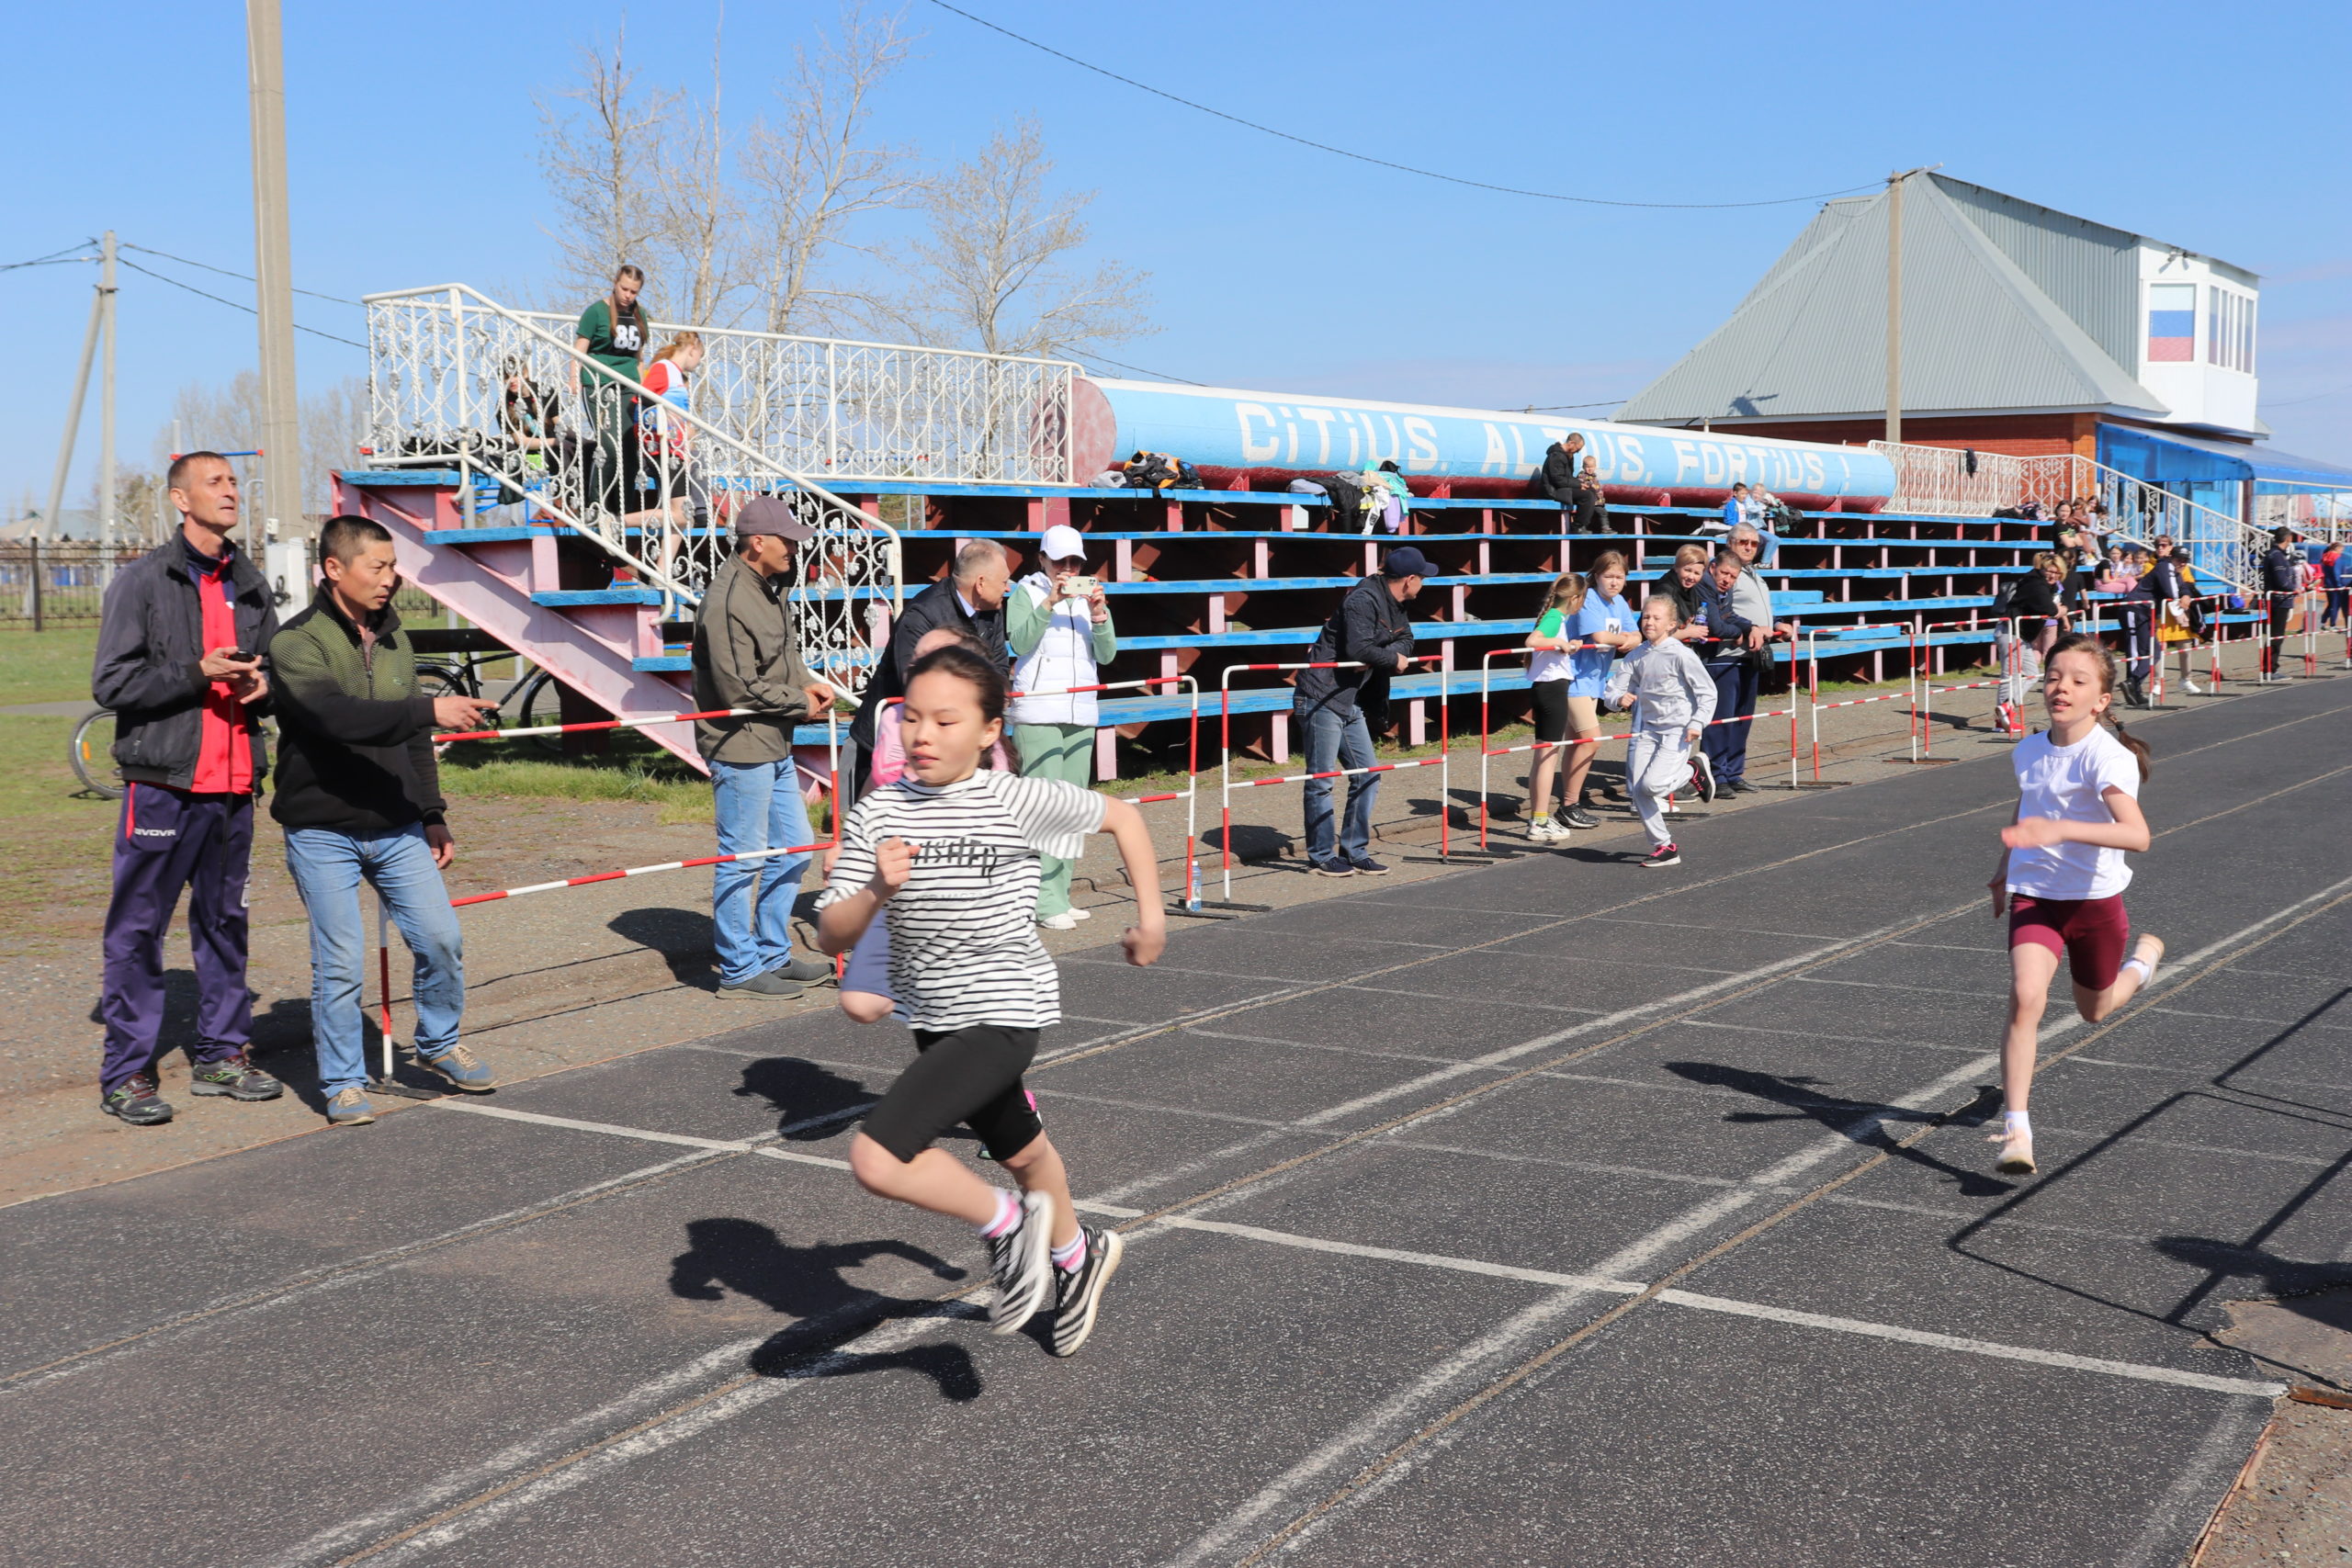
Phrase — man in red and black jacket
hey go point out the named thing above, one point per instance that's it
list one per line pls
(179, 662)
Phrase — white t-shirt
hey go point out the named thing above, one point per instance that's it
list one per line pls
(964, 947)
(2067, 782)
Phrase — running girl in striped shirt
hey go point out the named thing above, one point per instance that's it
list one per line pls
(949, 857)
(2061, 875)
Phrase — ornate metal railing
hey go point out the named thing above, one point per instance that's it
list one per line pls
(542, 433)
(1951, 482)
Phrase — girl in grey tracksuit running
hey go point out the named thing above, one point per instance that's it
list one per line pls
(1675, 699)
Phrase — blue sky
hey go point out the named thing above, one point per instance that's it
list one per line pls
(413, 161)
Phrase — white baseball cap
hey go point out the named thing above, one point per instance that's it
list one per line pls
(1063, 542)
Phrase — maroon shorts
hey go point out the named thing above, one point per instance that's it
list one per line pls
(2090, 933)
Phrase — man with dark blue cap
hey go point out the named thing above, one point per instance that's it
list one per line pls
(1369, 635)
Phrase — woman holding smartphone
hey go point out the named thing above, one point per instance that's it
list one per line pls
(1059, 626)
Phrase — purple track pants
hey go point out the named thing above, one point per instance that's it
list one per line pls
(169, 839)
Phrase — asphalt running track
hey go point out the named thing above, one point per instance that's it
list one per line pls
(1545, 1214)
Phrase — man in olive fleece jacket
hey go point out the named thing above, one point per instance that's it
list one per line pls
(747, 655)
(359, 797)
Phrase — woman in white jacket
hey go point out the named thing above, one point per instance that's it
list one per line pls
(1060, 626)
(1675, 698)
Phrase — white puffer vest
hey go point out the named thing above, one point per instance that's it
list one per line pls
(1063, 658)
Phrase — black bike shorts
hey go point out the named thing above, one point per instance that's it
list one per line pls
(968, 1078)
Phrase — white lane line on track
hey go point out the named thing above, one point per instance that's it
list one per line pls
(1590, 1026)
(1378, 1432)
(330, 1277)
(714, 1410)
(2251, 1388)
(759, 1145)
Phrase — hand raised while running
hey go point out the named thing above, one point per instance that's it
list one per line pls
(894, 862)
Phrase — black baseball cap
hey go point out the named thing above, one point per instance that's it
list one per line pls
(1406, 561)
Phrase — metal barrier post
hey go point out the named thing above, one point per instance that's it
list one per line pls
(385, 1082)
(1225, 762)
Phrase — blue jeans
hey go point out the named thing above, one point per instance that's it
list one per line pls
(328, 866)
(1336, 739)
(759, 807)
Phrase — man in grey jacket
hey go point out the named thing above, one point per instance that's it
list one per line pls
(1370, 632)
(747, 655)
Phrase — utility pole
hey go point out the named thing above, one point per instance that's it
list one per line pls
(106, 413)
(281, 433)
(73, 417)
(1895, 301)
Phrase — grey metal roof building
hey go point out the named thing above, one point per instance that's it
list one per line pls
(2009, 309)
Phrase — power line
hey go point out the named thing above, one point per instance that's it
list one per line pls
(217, 299)
(1569, 408)
(207, 266)
(1382, 162)
(54, 258)
(1155, 375)
(2315, 397)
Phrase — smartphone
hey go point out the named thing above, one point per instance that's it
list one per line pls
(1079, 587)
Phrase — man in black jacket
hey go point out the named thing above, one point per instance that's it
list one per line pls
(359, 796)
(2282, 578)
(178, 661)
(969, 600)
(1368, 629)
(1557, 476)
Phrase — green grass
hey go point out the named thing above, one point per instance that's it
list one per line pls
(50, 666)
(635, 769)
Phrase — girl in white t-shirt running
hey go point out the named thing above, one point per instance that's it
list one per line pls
(2061, 875)
(949, 857)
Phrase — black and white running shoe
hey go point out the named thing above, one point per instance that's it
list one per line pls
(1021, 1260)
(1662, 856)
(1703, 777)
(1081, 1290)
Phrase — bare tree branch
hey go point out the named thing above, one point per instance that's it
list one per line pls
(812, 175)
(694, 198)
(597, 143)
(995, 272)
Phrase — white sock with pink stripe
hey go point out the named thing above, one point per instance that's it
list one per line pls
(1008, 1215)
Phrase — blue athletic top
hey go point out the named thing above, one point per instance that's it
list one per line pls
(1591, 665)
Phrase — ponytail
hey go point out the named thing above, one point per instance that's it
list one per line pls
(2131, 743)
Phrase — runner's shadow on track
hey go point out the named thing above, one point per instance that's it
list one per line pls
(806, 1284)
(811, 1102)
(1862, 1121)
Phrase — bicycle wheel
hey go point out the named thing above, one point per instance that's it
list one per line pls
(444, 681)
(541, 701)
(92, 754)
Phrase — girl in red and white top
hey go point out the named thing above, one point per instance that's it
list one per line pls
(2061, 875)
(680, 495)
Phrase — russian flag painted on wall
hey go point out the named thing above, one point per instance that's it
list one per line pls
(2172, 322)
(2172, 335)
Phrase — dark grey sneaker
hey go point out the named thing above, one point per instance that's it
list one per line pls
(1079, 1290)
(1578, 817)
(1330, 868)
(235, 1076)
(134, 1101)
(770, 986)
(807, 971)
(1364, 865)
(1021, 1260)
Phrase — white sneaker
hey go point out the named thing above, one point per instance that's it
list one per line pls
(1544, 827)
(2017, 1153)
(1078, 914)
(2191, 687)
(1065, 922)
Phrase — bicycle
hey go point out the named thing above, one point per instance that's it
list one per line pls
(534, 700)
(91, 753)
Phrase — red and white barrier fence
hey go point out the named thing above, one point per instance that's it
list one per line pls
(589, 725)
